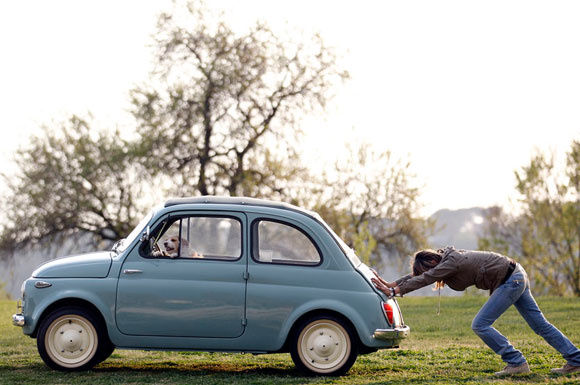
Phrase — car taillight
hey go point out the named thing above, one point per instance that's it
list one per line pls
(388, 309)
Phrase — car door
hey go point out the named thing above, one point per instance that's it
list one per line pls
(198, 290)
(286, 268)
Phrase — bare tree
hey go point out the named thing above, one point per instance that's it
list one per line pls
(222, 108)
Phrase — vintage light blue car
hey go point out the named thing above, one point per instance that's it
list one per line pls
(213, 274)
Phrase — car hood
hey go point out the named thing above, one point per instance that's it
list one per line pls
(92, 265)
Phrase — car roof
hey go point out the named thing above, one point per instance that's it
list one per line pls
(226, 200)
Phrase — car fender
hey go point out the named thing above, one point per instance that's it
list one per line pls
(85, 291)
(347, 311)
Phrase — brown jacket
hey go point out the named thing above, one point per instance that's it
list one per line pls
(460, 269)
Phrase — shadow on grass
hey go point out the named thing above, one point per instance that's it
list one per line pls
(206, 372)
(175, 368)
(292, 375)
(156, 373)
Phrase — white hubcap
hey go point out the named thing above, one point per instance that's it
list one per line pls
(324, 346)
(71, 341)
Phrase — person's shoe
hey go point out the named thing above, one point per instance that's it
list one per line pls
(523, 368)
(566, 369)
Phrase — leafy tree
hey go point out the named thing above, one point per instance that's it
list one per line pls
(546, 234)
(219, 106)
(372, 204)
(70, 179)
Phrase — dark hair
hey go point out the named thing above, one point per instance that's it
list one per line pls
(426, 260)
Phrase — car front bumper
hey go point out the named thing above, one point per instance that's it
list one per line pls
(393, 334)
(17, 320)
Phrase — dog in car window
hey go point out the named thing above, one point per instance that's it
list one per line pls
(172, 248)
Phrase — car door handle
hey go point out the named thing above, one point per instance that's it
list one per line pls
(132, 271)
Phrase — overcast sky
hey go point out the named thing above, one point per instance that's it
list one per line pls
(465, 90)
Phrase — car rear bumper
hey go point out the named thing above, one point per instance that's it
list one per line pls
(393, 334)
(17, 320)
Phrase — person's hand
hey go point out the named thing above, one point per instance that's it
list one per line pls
(384, 287)
(389, 288)
(379, 285)
(380, 278)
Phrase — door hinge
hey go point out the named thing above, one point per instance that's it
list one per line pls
(246, 275)
(244, 321)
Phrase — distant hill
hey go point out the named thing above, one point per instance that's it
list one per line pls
(459, 228)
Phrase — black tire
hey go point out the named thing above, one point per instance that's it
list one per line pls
(72, 339)
(324, 345)
(105, 351)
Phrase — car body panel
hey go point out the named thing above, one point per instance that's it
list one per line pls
(183, 298)
(93, 265)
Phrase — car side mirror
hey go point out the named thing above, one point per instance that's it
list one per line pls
(146, 234)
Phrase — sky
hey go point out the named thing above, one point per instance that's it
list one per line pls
(466, 91)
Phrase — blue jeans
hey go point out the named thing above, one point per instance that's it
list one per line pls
(516, 291)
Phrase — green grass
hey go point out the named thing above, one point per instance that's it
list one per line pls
(441, 350)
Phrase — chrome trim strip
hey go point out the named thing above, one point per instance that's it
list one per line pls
(397, 333)
(18, 320)
(400, 312)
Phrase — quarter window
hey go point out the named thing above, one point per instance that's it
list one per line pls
(276, 242)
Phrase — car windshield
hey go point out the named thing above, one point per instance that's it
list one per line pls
(122, 244)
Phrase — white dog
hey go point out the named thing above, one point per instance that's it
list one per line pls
(172, 244)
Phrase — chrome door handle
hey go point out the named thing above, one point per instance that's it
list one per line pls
(131, 271)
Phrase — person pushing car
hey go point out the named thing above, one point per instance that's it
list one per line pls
(508, 284)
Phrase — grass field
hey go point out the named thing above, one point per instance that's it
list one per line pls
(441, 350)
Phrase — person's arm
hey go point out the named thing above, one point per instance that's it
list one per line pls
(443, 270)
(390, 284)
(404, 278)
(389, 288)
(385, 286)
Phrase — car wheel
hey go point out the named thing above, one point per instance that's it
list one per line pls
(71, 339)
(324, 345)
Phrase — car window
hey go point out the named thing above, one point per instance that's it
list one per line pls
(198, 237)
(276, 242)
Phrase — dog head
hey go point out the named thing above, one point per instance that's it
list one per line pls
(172, 245)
